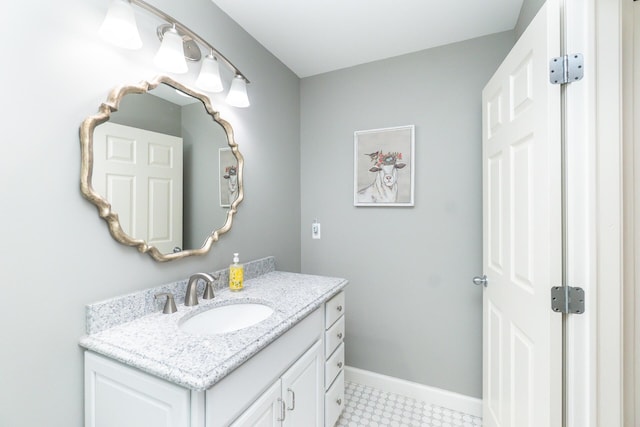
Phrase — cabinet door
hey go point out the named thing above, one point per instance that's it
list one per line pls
(265, 412)
(117, 395)
(302, 389)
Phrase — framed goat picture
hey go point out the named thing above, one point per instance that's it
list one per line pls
(384, 167)
(228, 177)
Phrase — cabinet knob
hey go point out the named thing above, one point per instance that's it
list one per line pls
(339, 401)
(339, 364)
(339, 308)
(340, 335)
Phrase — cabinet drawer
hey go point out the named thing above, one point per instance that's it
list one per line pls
(334, 401)
(334, 308)
(334, 336)
(334, 366)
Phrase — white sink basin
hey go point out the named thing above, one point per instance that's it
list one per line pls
(226, 318)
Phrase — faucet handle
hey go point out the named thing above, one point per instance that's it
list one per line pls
(170, 304)
(208, 289)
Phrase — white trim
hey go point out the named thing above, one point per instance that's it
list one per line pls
(436, 396)
(631, 116)
(594, 188)
(608, 215)
(580, 233)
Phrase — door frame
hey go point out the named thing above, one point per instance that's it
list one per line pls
(631, 136)
(594, 239)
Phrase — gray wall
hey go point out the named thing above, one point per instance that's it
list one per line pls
(528, 11)
(56, 254)
(413, 312)
(149, 112)
(203, 137)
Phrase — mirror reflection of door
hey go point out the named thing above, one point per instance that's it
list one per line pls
(140, 174)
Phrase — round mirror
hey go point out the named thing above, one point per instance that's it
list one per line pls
(162, 167)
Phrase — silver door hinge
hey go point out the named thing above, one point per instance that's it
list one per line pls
(567, 299)
(566, 69)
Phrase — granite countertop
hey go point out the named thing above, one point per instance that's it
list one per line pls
(154, 343)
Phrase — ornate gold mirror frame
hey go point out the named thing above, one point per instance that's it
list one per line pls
(104, 207)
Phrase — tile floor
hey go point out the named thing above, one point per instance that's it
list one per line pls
(367, 406)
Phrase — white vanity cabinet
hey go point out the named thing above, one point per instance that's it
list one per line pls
(284, 384)
(334, 325)
(120, 396)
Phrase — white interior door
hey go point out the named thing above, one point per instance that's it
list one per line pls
(522, 246)
(140, 173)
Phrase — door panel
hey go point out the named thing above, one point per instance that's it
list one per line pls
(265, 412)
(160, 213)
(120, 191)
(521, 231)
(522, 360)
(522, 379)
(140, 173)
(495, 224)
(303, 389)
(493, 393)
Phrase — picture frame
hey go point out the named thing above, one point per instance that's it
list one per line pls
(384, 167)
(228, 178)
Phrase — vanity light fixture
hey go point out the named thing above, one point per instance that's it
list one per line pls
(237, 95)
(119, 26)
(209, 78)
(170, 56)
(178, 43)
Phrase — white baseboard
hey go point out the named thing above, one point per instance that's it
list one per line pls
(436, 396)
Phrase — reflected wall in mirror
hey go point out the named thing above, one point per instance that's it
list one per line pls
(162, 168)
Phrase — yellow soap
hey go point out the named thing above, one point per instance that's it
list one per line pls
(236, 274)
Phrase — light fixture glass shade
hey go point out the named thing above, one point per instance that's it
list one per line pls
(170, 56)
(237, 95)
(119, 26)
(209, 77)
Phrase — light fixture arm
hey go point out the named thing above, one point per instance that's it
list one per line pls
(185, 30)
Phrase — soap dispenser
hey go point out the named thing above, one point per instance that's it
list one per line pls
(236, 274)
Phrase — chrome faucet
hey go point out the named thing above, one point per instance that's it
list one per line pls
(191, 297)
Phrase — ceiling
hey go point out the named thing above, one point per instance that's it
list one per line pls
(316, 36)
